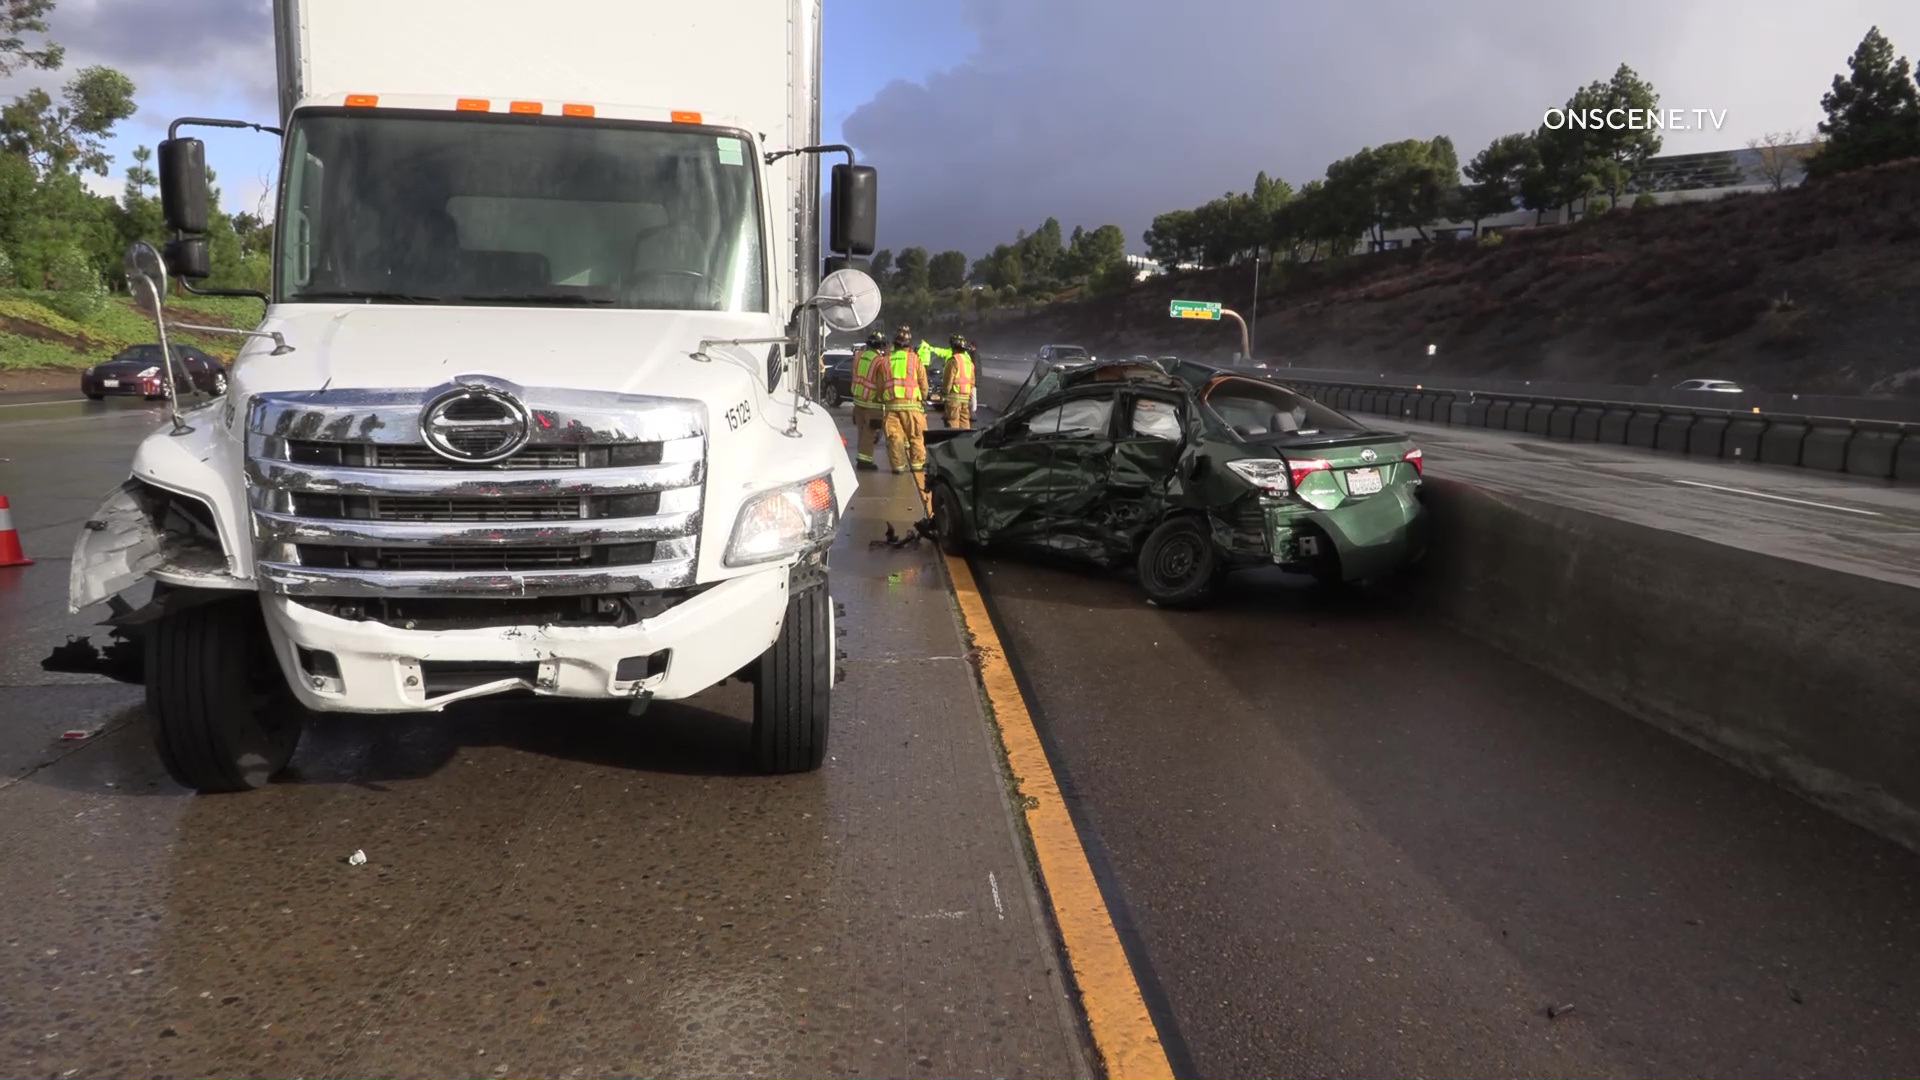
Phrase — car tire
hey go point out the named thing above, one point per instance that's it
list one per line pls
(223, 717)
(1178, 566)
(832, 396)
(949, 527)
(793, 687)
(219, 383)
(91, 396)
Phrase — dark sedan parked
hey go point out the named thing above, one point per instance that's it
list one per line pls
(836, 384)
(135, 371)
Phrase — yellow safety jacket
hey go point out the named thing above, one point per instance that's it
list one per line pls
(867, 377)
(906, 384)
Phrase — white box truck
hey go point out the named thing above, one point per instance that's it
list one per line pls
(531, 407)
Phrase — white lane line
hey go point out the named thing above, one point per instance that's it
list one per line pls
(1781, 498)
(24, 404)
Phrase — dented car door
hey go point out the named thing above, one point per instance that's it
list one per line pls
(1030, 463)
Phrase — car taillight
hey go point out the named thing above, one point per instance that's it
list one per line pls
(1416, 459)
(1300, 467)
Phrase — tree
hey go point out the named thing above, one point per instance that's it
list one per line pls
(1624, 148)
(18, 18)
(947, 270)
(70, 136)
(1414, 183)
(1872, 117)
(1171, 239)
(1495, 176)
(1004, 270)
(882, 265)
(1040, 253)
(1104, 247)
(910, 270)
(1778, 155)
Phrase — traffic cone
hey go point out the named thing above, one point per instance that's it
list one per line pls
(10, 553)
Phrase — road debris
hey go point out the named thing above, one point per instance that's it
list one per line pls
(358, 858)
(1555, 1012)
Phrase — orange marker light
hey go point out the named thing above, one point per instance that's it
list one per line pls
(525, 107)
(818, 494)
(682, 117)
(473, 104)
(363, 101)
(576, 110)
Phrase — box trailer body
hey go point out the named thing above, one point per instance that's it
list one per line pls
(536, 414)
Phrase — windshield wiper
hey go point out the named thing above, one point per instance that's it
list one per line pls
(557, 299)
(366, 294)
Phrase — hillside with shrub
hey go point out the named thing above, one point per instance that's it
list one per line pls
(1814, 289)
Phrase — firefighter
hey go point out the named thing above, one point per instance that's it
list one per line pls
(957, 381)
(869, 375)
(903, 398)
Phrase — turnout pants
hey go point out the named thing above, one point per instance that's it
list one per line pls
(907, 438)
(866, 426)
(959, 414)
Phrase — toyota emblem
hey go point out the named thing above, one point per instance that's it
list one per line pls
(1368, 455)
(475, 425)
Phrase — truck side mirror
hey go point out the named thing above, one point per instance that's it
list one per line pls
(183, 184)
(846, 262)
(856, 209)
(190, 258)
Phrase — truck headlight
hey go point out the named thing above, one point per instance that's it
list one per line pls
(775, 524)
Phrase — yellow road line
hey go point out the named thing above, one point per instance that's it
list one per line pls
(1123, 1032)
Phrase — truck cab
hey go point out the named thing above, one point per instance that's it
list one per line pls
(532, 406)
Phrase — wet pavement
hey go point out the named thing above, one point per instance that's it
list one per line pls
(548, 889)
(1349, 841)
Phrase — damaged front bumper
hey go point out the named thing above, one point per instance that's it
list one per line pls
(365, 666)
(146, 532)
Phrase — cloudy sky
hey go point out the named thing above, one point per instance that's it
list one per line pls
(985, 116)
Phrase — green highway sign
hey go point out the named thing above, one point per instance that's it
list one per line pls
(1193, 309)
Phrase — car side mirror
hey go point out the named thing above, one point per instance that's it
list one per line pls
(855, 203)
(183, 184)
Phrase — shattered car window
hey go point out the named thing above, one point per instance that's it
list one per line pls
(1255, 409)
(1156, 419)
(1075, 419)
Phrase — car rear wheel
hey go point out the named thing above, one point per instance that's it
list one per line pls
(793, 687)
(222, 714)
(948, 527)
(831, 395)
(1178, 566)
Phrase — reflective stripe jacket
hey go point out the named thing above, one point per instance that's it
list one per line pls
(867, 376)
(906, 386)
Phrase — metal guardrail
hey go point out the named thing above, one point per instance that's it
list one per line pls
(1877, 449)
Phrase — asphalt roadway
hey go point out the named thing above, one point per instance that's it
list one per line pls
(1347, 841)
(548, 891)
(1337, 839)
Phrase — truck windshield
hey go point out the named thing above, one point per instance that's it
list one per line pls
(397, 206)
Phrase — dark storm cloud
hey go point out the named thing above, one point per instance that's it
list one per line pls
(1112, 110)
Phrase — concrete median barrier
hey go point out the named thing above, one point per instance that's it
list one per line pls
(1707, 436)
(1560, 421)
(1742, 440)
(1517, 414)
(1906, 460)
(1540, 418)
(1497, 414)
(1826, 447)
(1780, 445)
(1671, 433)
(1643, 428)
(1586, 423)
(1613, 425)
(1799, 673)
(1871, 453)
(1479, 412)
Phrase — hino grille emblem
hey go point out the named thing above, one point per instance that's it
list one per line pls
(1368, 454)
(475, 425)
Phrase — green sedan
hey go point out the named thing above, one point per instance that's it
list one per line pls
(1186, 471)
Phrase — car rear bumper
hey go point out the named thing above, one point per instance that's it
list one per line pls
(96, 387)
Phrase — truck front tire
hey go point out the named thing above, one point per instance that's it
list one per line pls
(223, 717)
(793, 687)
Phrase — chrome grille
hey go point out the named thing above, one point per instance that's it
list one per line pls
(349, 501)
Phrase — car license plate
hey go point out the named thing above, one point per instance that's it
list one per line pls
(110, 384)
(1363, 481)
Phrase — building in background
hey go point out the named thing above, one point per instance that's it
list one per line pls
(1674, 178)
